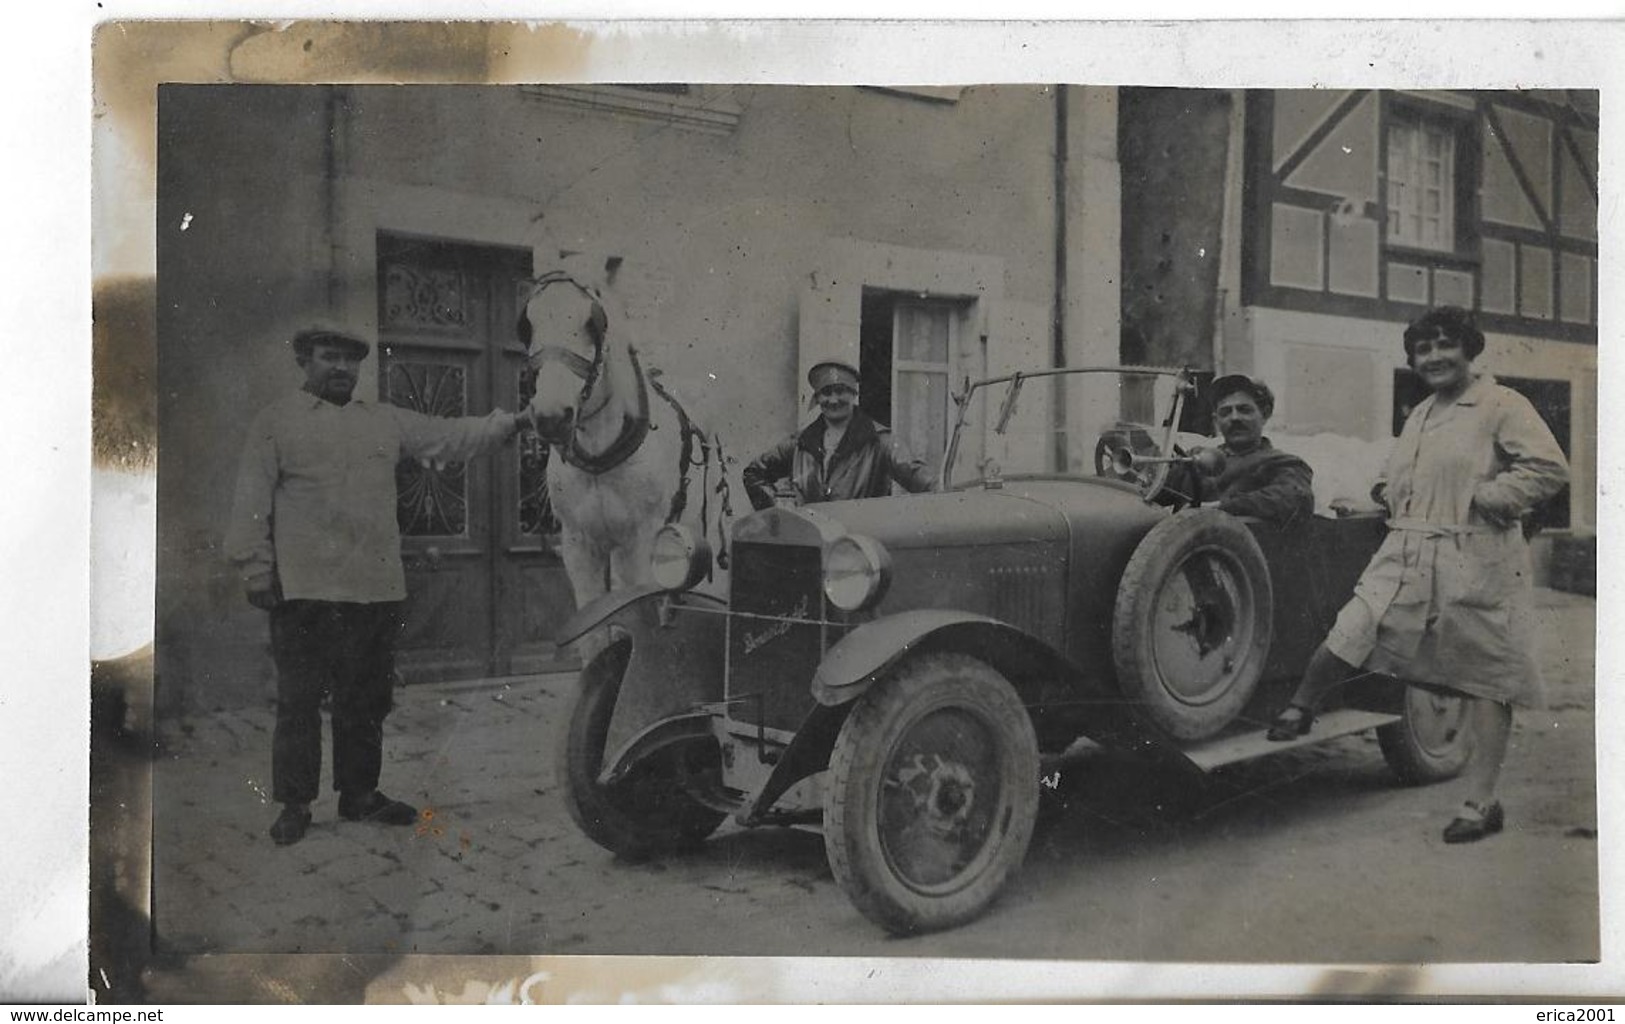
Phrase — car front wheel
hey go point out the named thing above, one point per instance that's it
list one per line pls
(932, 793)
(649, 810)
(1433, 740)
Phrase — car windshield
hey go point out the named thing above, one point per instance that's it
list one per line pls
(1082, 421)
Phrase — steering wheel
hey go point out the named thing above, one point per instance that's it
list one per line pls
(1118, 458)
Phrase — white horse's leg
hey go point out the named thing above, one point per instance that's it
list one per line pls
(629, 564)
(584, 563)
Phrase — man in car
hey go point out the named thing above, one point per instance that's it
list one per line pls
(843, 454)
(314, 535)
(1258, 479)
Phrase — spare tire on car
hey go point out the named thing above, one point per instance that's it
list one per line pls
(1191, 626)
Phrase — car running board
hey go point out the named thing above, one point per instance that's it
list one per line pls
(1223, 750)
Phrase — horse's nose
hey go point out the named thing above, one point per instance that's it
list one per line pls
(554, 428)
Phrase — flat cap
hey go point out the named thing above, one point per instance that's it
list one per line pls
(305, 340)
(1232, 382)
(832, 371)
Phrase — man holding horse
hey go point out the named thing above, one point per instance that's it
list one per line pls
(843, 454)
(315, 537)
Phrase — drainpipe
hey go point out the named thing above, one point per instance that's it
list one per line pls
(1229, 224)
(1058, 317)
(332, 160)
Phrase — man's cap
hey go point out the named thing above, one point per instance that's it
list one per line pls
(833, 371)
(1233, 382)
(305, 341)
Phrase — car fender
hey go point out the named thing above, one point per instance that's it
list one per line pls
(1065, 699)
(853, 663)
(594, 614)
(675, 665)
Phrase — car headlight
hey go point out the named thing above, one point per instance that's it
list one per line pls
(856, 572)
(679, 558)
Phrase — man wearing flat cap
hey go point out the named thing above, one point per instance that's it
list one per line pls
(314, 535)
(843, 454)
(1258, 479)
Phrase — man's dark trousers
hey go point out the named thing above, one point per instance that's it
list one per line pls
(345, 651)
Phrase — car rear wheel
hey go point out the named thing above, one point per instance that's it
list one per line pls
(932, 793)
(1433, 740)
(646, 812)
(1191, 627)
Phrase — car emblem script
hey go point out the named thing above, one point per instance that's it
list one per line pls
(754, 641)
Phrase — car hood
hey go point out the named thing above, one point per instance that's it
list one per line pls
(1022, 511)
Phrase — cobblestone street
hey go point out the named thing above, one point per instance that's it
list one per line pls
(475, 758)
(494, 865)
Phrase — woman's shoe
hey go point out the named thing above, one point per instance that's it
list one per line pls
(1474, 822)
(1295, 721)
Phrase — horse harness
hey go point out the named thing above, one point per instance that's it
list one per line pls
(588, 370)
(635, 426)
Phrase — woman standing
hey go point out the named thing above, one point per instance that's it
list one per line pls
(1446, 601)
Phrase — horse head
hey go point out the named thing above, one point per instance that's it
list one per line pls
(563, 327)
(625, 455)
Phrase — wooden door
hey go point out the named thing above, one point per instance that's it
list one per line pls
(479, 560)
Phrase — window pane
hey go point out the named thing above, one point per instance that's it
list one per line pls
(422, 296)
(1421, 186)
(922, 333)
(1399, 137)
(920, 413)
(431, 500)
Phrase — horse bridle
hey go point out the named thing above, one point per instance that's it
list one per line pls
(588, 370)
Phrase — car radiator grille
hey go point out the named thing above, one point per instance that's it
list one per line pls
(776, 635)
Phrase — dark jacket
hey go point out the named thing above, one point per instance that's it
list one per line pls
(1265, 483)
(866, 462)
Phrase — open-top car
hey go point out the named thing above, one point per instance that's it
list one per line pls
(898, 671)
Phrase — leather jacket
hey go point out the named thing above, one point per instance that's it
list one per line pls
(866, 462)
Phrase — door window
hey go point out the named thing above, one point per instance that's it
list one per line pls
(431, 499)
(484, 586)
(907, 367)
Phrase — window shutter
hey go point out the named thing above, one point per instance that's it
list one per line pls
(826, 328)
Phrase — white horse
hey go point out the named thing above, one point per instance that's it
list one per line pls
(625, 457)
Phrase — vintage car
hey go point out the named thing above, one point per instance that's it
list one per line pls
(899, 672)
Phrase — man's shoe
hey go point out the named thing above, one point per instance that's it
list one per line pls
(1475, 822)
(1291, 723)
(291, 824)
(377, 808)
